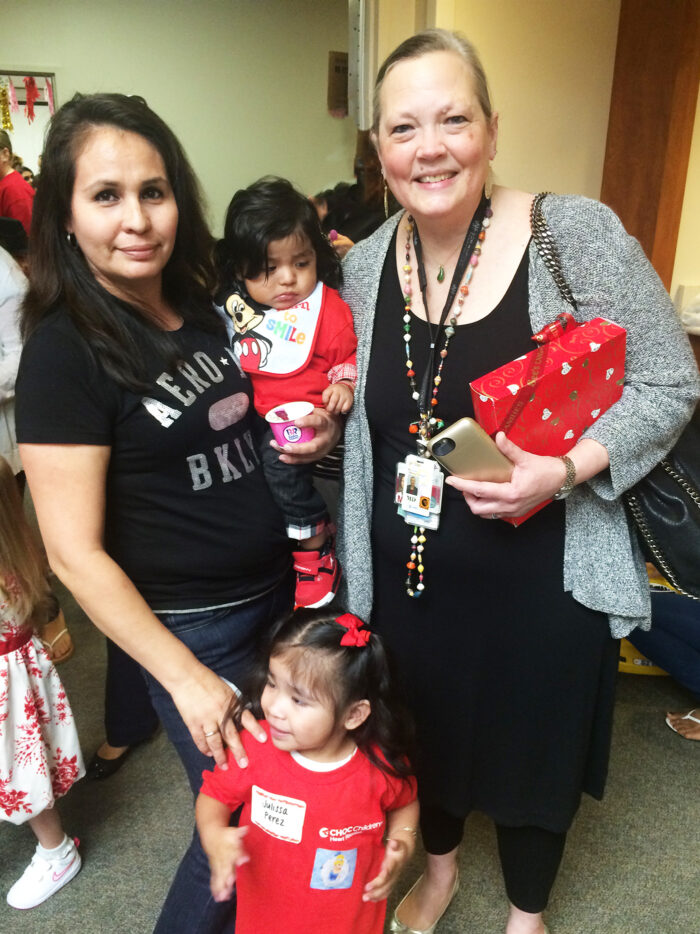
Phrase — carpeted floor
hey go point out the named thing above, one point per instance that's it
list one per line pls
(631, 864)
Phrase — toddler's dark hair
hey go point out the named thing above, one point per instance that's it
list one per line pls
(270, 209)
(342, 674)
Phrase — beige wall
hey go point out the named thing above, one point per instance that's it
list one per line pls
(241, 82)
(397, 21)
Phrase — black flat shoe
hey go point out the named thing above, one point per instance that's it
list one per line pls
(100, 768)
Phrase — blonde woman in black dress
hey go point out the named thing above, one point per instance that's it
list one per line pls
(505, 637)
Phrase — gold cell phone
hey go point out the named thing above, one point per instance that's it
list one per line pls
(465, 450)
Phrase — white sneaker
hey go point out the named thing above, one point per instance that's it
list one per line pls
(44, 876)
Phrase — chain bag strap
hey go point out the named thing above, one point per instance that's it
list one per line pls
(547, 248)
(665, 505)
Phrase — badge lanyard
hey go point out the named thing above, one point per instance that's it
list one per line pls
(470, 241)
(419, 479)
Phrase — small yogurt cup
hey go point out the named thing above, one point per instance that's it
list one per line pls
(281, 420)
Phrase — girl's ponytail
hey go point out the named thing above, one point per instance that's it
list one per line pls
(386, 736)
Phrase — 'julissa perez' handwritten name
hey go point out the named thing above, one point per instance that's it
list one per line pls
(275, 813)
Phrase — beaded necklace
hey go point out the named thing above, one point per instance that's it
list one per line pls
(428, 422)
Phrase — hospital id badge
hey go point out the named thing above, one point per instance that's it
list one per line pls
(418, 491)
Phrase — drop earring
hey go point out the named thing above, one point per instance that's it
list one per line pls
(488, 185)
(386, 200)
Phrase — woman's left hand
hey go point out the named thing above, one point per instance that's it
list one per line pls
(535, 478)
(207, 704)
(327, 428)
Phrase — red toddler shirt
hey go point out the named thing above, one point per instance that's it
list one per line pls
(289, 354)
(315, 839)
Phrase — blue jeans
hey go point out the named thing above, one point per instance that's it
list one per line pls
(673, 642)
(225, 640)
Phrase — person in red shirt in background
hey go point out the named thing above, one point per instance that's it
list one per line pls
(16, 195)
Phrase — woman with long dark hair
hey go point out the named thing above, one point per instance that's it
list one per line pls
(137, 433)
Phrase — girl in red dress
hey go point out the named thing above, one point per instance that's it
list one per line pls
(39, 751)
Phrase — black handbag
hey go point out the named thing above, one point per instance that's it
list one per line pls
(664, 506)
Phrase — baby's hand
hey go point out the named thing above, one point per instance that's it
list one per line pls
(395, 855)
(225, 853)
(340, 243)
(338, 398)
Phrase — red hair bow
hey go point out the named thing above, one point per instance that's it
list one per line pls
(355, 635)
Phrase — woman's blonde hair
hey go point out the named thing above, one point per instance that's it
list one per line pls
(434, 40)
(22, 562)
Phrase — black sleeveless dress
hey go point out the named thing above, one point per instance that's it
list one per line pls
(509, 679)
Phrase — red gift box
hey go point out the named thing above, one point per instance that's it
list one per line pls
(546, 399)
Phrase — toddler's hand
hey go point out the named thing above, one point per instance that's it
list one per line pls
(338, 398)
(395, 855)
(341, 244)
(226, 853)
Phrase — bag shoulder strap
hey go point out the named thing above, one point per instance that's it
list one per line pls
(547, 248)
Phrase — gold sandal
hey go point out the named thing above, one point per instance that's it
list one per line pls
(398, 927)
(51, 633)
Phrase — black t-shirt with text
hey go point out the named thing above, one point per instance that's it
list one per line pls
(189, 516)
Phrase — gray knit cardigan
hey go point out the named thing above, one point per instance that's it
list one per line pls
(610, 277)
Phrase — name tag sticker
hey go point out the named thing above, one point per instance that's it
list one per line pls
(277, 815)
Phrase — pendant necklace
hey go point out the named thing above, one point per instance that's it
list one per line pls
(428, 423)
(440, 276)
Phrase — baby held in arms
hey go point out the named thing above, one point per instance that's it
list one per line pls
(294, 337)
